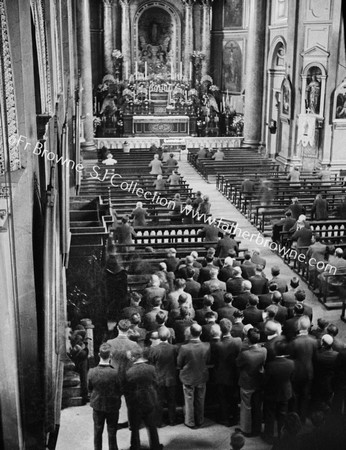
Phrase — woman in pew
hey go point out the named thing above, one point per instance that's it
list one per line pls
(139, 215)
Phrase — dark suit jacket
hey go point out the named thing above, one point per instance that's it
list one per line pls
(290, 328)
(248, 269)
(139, 215)
(259, 285)
(271, 346)
(163, 357)
(319, 209)
(224, 245)
(277, 381)
(302, 350)
(124, 233)
(193, 288)
(104, 386)
(282, 314)
(149, 320)
(240, 302)
(250, 363)
(252, 315)
(265, 300)
(120, 345)
(234, 285)
(226, 273)
(193, 358)
(226, 312)
(140, 387)
(224, 355)
(303, 237)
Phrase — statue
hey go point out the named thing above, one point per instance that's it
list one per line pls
(313, 92)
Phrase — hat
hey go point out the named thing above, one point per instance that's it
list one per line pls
(339, 251)
(327, 339)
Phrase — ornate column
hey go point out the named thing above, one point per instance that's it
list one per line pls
(84, 63)
(206, 35)
(125, 36)
(188, 36)
(107, 35)
(254, 73)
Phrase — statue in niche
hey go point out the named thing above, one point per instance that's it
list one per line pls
(340, 112)
(313, 93)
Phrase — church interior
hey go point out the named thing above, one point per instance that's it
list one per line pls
(235, 91)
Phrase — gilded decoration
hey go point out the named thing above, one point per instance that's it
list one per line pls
(8, 101)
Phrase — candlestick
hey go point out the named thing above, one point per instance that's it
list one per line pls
(190, 77)
(136, 69)
(181, 70)
(145, 69)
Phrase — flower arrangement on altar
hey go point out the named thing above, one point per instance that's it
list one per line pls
(238, 124)
(103, 87)
(197, 55)
(116, 54)
(213, 88)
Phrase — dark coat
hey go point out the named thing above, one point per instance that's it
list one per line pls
(234, 285)
(226, 273)
(139, 215)
(277, 380)
(251, 365)
(259, 285)
(193, 288)
(163, 356)
(224, 245)
(224, 355)
(302, 350)
(319, 210)
(140, 387)
(226, 312)
(248, 269)
(120, 345)
(241, 300)
(252, 315)
(193, 358)
(265, 300)
(104, 386)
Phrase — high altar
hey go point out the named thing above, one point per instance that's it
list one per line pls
(158, 83)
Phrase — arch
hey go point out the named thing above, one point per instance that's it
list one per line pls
(176, 31)
(306, 69)
(277, 42)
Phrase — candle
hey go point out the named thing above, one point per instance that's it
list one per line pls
(126, 70)
(145, 70)
(181, 69)
(190, 77)
(136, 69)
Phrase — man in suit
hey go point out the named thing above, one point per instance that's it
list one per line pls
(123, 235)
(266, 300)
(302, 350)
(235, 285)
(257, 259)
(139, 215)
(208, 301)
(281, 282)
(290, 327)
(171, 261)
(182, 268)
(163, 358)
(259, 283)
(104, 388)
(296, 208)
(223, 355)
(277, 392)
(252, 314)
(251, 366)
(303, 237)
(210, 233)
(214, 281)
(192, 287)
(193, 358)
(273, 330)
(141, 398)
(248, 268)
(226, 244)
(226, 312)
(227, 271)
(241, 300)
(282, 313)
(152, 291)
(119, 346)
(316, 252)
(204, 273)
(149, 319)
(289, 298)
(319, 210)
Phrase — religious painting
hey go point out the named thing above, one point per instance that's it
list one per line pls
(233, 13)
(232, 67)
(155, 30)
(340, 102)
(286, 98)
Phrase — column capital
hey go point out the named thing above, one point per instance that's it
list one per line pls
(188, 3)
(108, 3)
(206, 3)
(125, 3)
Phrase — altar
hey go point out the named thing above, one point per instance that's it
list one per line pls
(160, 125)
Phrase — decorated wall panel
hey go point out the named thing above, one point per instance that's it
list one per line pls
(318, 10)
(232, 68)
(233, 13)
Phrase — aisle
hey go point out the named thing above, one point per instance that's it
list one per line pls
(222, 208)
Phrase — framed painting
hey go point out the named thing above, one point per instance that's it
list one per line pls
(232, 65)
(233, 13)
(286, 98)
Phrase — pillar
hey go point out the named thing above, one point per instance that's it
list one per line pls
(84, 63)
(206, 36)
(108, 35)
(188, 37)
(254, 73)
(125, 36)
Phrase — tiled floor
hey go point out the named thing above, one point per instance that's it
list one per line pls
(76, 431)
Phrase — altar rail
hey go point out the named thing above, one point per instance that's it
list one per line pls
(191, 142)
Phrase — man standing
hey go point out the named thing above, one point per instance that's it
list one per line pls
(104, 386)
(192, 362)
(141, 399)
